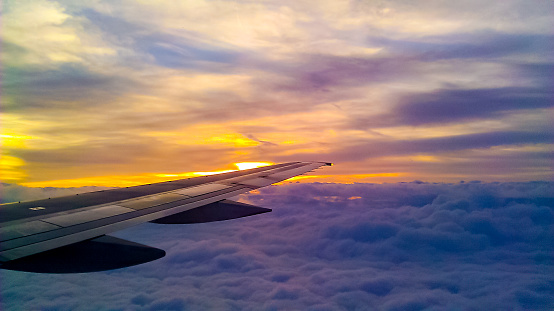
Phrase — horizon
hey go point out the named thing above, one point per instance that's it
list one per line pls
(310, 177)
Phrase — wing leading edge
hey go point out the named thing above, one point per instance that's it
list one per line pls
(73, 228)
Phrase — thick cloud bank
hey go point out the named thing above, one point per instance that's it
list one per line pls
(406, 246)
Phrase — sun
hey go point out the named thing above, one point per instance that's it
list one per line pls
(248, 165)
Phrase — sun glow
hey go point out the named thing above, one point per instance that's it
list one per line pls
(248, 165)
(130, 180)
(120, 180)
(13, 140)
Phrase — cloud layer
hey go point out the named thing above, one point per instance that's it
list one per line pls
(403, 246)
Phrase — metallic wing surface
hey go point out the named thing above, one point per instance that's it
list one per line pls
(69, 234)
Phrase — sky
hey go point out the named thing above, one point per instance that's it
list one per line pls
(330, 247)
(116, 93)
(437, 116)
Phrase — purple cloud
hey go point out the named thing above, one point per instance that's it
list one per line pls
(405, 246)
(478, 45)
(459, 105)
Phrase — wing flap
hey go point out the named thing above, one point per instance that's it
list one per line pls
(217, 211)
(286, 174)
(202, 189)
(257, 182)
(152, 200)
(24, 229)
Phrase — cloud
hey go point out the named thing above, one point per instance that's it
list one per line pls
(43, 34)
(379, 147)
(60, 88)
(445, 106)
(91, 86)
(403, 246)
(475, 45)
(184, 49)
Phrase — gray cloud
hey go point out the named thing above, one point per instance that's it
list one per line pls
(189, 50)
(66, 87)
(372, 148)
(478, 45)
(444, 106)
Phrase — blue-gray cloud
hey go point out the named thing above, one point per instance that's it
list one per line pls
(478, 45)
(185, 51)
(445, 106)
(405, 246)
(62, 87)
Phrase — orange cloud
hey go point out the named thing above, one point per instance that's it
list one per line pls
(123, 180)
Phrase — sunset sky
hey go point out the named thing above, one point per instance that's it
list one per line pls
(438, 116)
(124, 92)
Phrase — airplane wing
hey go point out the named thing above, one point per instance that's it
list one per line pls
(68, 234)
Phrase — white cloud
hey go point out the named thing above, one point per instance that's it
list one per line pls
(44, 34)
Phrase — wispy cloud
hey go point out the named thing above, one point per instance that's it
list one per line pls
(131, 83)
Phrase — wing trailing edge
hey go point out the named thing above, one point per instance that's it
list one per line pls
(217, 211)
